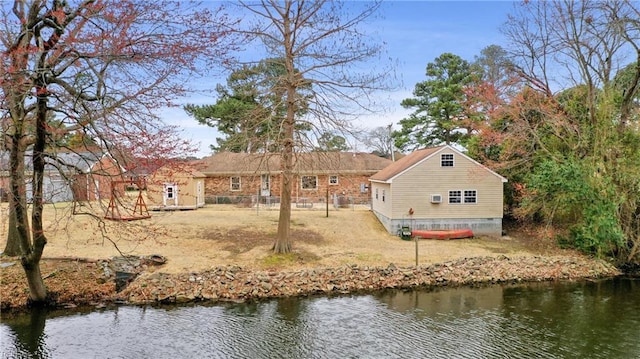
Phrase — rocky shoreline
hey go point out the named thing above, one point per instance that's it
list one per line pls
(236, 284)
(97, 287)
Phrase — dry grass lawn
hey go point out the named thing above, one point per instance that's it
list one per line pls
(221, 235)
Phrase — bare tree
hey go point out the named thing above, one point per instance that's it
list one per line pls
(323, 48)
(99, 67)
(379, 141)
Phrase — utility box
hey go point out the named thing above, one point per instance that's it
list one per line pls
(405, 233)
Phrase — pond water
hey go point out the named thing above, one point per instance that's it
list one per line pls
(594, 319)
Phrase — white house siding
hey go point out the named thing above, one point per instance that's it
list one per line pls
(382, 209)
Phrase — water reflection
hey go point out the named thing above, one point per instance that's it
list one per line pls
(546, 320)
(433, 303)
(28, 332)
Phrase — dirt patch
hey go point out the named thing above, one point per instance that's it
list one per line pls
(67, 280)
(240, 240)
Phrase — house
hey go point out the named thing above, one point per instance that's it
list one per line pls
(83, 176)
(343, 176)
(175, 186)
(438, 188)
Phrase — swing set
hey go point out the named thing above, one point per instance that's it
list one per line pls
(139, 211)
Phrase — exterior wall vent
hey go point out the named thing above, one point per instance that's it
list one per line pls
(436, 198)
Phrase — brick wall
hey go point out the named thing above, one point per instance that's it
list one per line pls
(347, 185)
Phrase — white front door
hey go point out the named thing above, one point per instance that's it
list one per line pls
(170, 194)
(265, 186)
(199, 194)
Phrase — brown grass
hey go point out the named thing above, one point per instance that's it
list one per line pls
(221, 235)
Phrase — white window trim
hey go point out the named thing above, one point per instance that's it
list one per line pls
(239, 183)
(449, 196)
(174, 193)
(452, 160)
(462, 196)
(333, 183)
(308, 189)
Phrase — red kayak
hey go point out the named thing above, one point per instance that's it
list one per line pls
(445, 234)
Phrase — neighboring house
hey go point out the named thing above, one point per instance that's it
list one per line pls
(341, 175)
(83, 176)
(438, 188)
(175, 186)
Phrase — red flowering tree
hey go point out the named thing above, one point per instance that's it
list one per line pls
(96, 67)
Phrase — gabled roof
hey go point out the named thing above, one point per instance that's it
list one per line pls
(80, 161)
(227, 163)
(403, 164)
(416, 157)
(65, 161)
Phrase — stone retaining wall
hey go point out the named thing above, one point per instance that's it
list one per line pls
(233, 283)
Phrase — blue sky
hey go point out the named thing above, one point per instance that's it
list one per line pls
(416, 32)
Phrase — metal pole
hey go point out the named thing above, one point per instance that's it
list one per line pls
(416, 239)
(327, 202)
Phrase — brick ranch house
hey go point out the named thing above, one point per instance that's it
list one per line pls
(344, 176)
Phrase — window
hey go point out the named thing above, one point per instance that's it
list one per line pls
(170, 191)
(309, 182)
(446, 160)
(467, 196)
(235, 183)
(455, 196)
(382, 195)
(333, 180)
(376, 193)
(470, 196)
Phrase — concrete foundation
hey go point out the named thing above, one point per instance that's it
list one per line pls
(480, 226)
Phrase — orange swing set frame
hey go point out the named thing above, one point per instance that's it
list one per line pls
(139, 211)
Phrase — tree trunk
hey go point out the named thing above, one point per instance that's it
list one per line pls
(31, 260)
(37, 289)
(283, 239)
(12, 248)
(18, 236)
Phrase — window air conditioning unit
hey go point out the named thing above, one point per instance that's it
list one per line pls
(436, 198)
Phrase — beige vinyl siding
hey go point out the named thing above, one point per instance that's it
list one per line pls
(378, 205)
(187, 189)
(414, 187)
